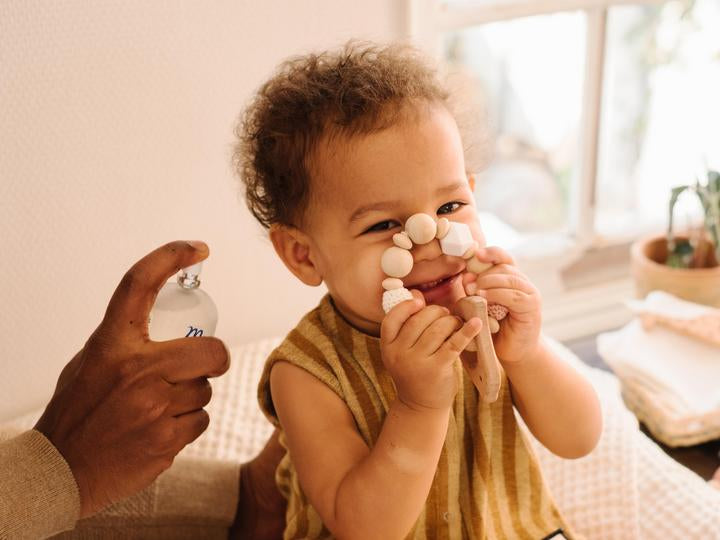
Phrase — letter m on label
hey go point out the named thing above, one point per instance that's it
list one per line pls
(194, 332)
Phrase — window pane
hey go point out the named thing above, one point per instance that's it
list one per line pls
(661, 111)
(528, 75)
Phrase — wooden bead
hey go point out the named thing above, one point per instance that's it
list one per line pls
(443, 226)
(477, 267)
(392, 283)
(396, 262)
(421, 228)
(470, 252)
(493, 325)
(402, 240)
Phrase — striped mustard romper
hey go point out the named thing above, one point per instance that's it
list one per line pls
(488, 483)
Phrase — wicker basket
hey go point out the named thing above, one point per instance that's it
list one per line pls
(648, 255)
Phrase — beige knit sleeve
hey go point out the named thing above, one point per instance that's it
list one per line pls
(195, 498)
(38, 494)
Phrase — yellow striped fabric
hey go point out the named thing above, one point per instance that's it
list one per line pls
(488, 484)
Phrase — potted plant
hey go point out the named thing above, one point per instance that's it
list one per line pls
(685, 265)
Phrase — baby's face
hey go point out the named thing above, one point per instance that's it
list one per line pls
(362, 194)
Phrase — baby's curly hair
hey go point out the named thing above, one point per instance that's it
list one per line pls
(357, 90)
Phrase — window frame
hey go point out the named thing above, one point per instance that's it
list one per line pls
(579, 302)
(428, 20)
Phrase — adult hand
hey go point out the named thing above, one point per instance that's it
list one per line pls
(125, 406)
(261, 508)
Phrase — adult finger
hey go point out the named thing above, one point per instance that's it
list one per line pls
(437, 333)
(189, 396)
(462, 338)
(184, 359)
(190, 426)
(396, 317)
(418, 323)
(132, 300)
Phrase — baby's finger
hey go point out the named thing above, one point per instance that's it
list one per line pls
(494, 255)
(396, 317)
(516, 301)
(417, 324)
(504, 281)
(460, 339)
(437, 333)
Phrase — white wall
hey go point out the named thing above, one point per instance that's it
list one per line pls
(116, 123)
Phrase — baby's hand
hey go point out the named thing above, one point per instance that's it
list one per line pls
(504, 284)
(420, 345)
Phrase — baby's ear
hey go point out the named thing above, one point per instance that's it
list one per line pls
(293, 247)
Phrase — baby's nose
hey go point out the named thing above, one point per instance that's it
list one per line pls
(426, 252)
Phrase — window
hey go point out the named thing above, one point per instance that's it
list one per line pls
(596, 107)
(660, 111)
(528, 73)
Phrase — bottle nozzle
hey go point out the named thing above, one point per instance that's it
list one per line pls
(189, 277)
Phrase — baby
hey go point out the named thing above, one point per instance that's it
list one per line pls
(386, 434)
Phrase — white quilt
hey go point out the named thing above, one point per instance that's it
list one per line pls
(627, 488)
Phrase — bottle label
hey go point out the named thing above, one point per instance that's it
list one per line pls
(194, 332)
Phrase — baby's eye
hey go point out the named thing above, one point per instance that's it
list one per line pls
(449, 208)
(382, 226)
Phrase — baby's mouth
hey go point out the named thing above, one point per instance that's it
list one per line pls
(431, 284)
(437, 287)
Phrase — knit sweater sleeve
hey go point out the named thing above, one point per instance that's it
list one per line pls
(38, 493)
(39, 498)
(194, 498)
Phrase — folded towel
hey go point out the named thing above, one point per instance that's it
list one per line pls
(670, 380)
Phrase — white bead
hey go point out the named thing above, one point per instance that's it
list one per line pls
(393, 297)
(477, 267)
(392, 283)
(443, 226)
(396, 262)
(402, 240)
(458, 240)
(421, 228)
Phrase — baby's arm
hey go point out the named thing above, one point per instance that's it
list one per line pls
(557, 403)
(379, 492)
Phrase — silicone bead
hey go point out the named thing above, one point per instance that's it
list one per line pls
(458, 240)
(393, 297)
(497, 311)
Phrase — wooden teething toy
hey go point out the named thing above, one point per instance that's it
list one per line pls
(456, 240)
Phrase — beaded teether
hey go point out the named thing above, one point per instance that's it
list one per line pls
(456, 240)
